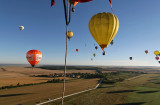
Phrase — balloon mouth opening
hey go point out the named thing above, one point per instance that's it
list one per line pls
(69, 38)
(103, 46)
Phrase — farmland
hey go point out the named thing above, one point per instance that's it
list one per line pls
(144, 90)
(12, 75)
(29, 95)
(114, 90)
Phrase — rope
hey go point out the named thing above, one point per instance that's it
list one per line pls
(67, 16)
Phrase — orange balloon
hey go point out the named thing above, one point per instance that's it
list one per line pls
(75, 3)
(33, 57)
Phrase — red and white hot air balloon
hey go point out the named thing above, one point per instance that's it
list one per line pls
(33, 57)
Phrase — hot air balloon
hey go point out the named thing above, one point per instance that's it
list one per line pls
(146, 51)
(85, 45)
(157, 58)
(77, 50)
(94, 54)
(74, 4)
(81, 1)
(112, 42)
(103, 27)
(73, 1)
(130, 58)
(33, 57)
(91, 59)
(21, 27)
(96, 47)
(69, 34)
(156, 53)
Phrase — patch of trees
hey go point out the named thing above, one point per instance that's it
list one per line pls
(69, 67)
(113, 77)
(55, 81)
(19, 85)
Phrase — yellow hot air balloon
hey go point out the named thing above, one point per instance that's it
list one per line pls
(156, 52)
(103, 27)
(69, 34)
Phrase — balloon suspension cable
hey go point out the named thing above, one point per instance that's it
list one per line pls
(67, 18)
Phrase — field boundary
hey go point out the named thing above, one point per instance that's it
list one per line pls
(72, 94)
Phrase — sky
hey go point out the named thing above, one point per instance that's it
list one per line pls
(44, 30)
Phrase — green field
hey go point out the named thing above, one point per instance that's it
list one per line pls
(148, 93)
(144, 90)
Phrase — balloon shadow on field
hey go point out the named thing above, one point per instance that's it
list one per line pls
(122, 91)
(157, 83)
(152, 79)
(106, 86)
(143, 92)
(10, 95)
(136, 103)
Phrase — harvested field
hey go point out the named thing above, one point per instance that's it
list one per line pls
(29, 95)
(38, 71)
(12, 76)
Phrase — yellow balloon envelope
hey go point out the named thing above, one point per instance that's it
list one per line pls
(103, 27)
(156, 52)
(69, 34)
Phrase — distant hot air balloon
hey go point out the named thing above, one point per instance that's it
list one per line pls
(157, 58)
(146, 51)
(85, 45)
(33, 57)
(103, 27)
(130, 58)
(94, 54)
(112, 42)
(96, 47)
(91, 59)
(77, 50)
(156, 53)
(69, 34)
(21, 27)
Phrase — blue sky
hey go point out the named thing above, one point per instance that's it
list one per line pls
(44, 30)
